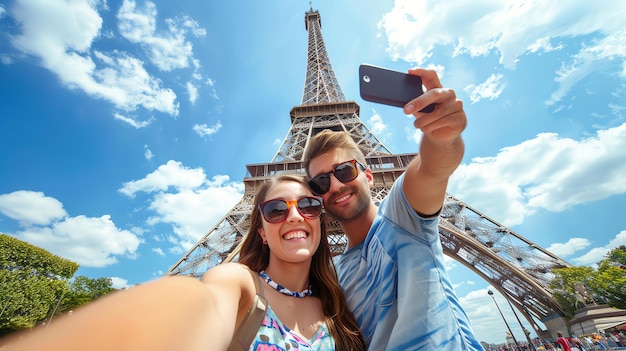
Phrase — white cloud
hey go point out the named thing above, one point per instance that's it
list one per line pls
(414, 134)
(148, 153)
(509, 27)
(183, 198)
(125, 82)
(168, 50)
(132, 121)
(597, 253)
(172, 174)
(192, 212)
(213, 94)
(377, 125)
(158, 251)
(546, 172)
(204, 130)
(569, 248)
(449, 262)
(490, 89)
(61, 34)
(192, 90)
(617, 110)
(590, 59)
(575, 246)
(119, 283)
(3, 11)
(51, 27)
(31, 208)
(88, 241)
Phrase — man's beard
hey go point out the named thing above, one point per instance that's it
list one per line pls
(356, 208)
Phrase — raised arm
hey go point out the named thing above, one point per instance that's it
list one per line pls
(171, 313)
(442, 147)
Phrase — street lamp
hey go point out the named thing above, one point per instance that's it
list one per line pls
(505, 322)
(527, 333)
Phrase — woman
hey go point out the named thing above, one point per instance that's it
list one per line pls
(286, 245)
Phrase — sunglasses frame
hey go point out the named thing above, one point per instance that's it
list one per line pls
(313, 185)
(290, 203)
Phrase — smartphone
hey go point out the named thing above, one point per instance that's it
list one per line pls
(384, 86)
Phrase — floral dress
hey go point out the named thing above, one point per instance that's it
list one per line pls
(273, 335)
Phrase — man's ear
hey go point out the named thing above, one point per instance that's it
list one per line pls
(370, 176)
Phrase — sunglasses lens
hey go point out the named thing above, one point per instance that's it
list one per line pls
(346, 172)
(310, 207)
(275, 211)
(320, 184)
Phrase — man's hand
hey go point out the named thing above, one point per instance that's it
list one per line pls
(448, 119)
(441, 148)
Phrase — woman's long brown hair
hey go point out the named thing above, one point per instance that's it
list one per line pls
(322, 274)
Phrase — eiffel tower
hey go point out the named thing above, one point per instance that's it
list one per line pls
(516, 267)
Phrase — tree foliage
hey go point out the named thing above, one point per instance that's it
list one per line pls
(610, 278)
(568, 287)
(32, 281)
(617, 256)
(83, 290)
(574, 286)
(35, 285)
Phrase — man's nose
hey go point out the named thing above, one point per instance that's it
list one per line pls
(335, 184)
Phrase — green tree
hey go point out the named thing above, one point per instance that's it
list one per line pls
(617, 256)
(570, 287)
(32, 281)
(607, 284)
(83, 290)
(609, 280)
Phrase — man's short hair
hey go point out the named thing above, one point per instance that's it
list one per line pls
(327, 140)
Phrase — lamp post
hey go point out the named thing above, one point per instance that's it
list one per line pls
(527, 333)
(505, 322)
(55, 309)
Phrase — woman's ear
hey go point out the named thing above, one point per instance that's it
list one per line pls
(262, 235)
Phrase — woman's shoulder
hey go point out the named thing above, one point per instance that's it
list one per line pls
(228, 271)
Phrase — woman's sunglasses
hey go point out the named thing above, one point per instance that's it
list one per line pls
(344, 172)
(276, 211)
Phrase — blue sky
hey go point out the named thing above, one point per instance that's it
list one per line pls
(125, 127)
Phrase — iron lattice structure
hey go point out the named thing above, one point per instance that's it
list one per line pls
(518, 268)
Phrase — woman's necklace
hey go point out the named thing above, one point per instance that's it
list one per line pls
(281, 289)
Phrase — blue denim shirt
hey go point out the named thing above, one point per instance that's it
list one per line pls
(397, 287)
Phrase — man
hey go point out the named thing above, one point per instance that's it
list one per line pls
(393, 271)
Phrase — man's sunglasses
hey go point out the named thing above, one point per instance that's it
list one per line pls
(344, 172)
(276, 211)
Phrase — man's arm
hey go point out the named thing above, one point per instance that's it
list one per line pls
(442, 147)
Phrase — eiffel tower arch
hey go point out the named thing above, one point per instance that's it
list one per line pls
(512, 264)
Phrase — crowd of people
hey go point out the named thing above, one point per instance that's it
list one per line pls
(595, 341)
(610, 340)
